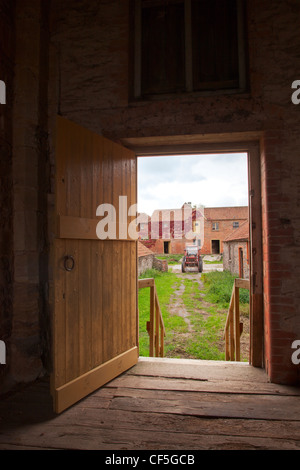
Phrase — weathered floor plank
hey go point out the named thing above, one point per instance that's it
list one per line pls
(181, 384)
(160, 404)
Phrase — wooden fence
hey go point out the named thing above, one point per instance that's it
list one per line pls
(155, 327)
(233, 327)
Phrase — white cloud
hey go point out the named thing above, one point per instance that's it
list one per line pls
(210, 180)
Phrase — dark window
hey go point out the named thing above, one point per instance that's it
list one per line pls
(188, 45)
(236, 224)
(215, 44)
(163, 49)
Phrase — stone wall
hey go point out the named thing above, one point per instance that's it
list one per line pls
(144, 263)
(231, 257)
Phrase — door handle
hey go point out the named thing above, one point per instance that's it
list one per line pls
(69, 263)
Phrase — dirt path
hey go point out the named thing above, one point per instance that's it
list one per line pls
(177, 307)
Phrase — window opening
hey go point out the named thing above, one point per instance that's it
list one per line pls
(188, 46)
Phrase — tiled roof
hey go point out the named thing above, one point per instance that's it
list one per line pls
(241, 233)
(143, 250)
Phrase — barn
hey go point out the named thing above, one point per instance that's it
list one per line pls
(89, 89)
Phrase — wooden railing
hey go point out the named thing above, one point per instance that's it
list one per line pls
(155, 327)
(233, 327)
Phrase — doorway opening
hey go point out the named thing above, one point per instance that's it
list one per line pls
(204, 184)
(215, 247)
(166, 248)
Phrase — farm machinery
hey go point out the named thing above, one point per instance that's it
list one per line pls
(192, 258)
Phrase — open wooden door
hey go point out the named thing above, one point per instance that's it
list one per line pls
(95, 326)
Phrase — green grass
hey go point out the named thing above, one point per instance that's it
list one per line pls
(214, 262)
(207, 314)
(172, 259)
(218, 288)
(165, 286)
(208, 325)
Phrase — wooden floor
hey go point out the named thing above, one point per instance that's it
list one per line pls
(161, 404)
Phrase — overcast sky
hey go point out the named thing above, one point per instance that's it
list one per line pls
(209, 180)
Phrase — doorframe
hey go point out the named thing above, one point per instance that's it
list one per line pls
(244, 142)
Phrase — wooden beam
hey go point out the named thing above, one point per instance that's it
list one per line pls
(148, 282)
(242, 283)
(83, 228)
(255, 258)
(77, 389)
(225, 142)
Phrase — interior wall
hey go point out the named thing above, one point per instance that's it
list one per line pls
(93, 40)
(7, 52)
(24, 324)
(88, 82)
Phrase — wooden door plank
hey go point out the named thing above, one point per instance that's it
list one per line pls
(107, 304)
(116, 304)
(85, 280)
(72, 314)
(59, 339)
(96, 294)
(85, 384)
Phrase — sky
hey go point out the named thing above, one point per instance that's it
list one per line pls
(209, 180)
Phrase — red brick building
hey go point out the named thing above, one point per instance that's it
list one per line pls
(219, 222)
(169, 230)
(210, 226)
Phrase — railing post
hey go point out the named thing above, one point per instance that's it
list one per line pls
(231, 329)
(237, 321)
(227, 352)
(152, 316)
(155, 327)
